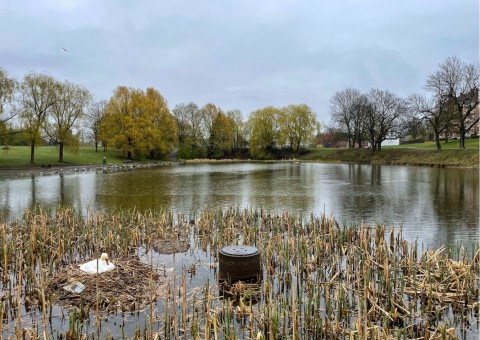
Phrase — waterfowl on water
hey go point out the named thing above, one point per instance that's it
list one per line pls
(103, 265)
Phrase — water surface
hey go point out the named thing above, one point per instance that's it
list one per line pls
(436, 206)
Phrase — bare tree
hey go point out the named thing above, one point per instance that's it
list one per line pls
(342, 113)
(182, 113)
(189, 120)
(348, 109)
(238, 129)
(37, 96)
(93, 118)
(434, 110)
(459, 82)
(209, 114)
(360, 108)
(384, 118)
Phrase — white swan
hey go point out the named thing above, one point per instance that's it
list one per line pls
(103, 265)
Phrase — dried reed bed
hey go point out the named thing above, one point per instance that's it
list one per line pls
(127, 288)
(41, 251)
(320, 279)
(326, 280)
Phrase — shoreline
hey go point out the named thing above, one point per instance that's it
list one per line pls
(36, 170)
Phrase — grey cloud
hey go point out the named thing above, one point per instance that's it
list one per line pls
(238, 54)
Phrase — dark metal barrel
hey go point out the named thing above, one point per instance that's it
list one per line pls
(239, 263)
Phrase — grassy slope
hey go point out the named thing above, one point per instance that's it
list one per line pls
(19, 157)
(413, 154)
(453, 144)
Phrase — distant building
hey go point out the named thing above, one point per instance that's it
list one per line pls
(391, 142)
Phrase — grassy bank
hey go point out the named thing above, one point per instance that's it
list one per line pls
(18, 157)
(471, 143)
(424, 154)
(397, 156)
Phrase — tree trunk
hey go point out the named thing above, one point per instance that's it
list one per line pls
(60, 152)
(437, 140)
(462, 138)
(32, 153)
(129, 154)
(96, 146)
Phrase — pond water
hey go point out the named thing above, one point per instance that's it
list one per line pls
(433, 205)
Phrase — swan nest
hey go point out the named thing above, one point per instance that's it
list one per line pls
(130, 287)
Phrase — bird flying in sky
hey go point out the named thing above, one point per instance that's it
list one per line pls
(63, 48)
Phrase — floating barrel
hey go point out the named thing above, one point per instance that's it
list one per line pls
(239, 263)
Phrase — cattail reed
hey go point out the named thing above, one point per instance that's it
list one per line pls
(320, 279)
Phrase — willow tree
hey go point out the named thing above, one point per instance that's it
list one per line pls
(61, 126)
(222, 136)
(160, 131)
(263, 126)
(139, 123)
(8, 87)
(37, 96)
(298, 125)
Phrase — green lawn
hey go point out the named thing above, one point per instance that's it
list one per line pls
(470, 143)
(19, 157)
(424, 154)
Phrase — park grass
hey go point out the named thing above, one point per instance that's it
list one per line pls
(411, 155)
(18, 157)
(470, 143)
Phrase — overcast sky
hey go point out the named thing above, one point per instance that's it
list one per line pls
(238, 54)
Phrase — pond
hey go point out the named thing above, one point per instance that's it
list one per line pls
(433, 205)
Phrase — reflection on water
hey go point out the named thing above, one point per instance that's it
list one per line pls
(434, 205)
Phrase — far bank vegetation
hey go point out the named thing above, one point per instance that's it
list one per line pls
(41, 110)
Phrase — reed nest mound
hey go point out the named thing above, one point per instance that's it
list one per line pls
(171, 245)
(172, 240)
(131, 286)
